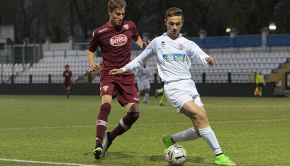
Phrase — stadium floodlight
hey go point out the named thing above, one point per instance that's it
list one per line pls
(228, 30)
(272, 26)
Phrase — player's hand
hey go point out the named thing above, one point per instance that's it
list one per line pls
(210, 60)
(93, 67)
(116, 71)
(145, 44)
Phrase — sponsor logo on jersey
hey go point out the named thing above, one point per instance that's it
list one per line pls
(102, 30)
(105, 88)
(173, 57)
(180, 46)
(118, 40)
(136, 99)
(126, 26)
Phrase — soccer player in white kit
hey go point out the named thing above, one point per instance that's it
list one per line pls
(143, 74)
(173, 53)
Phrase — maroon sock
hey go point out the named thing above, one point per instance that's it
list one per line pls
(102, 122)
(126, 122)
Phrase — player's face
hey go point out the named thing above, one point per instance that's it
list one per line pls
(67, 68)
(174, 25)
(116, 17)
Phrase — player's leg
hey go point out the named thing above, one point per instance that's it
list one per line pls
(127, 121)
(147, 90)
(107, 90)
(127, 96)
(260, 90)
(161, 100)
(101, 125)
(140, 92)
(67, 90)
(140, 88)
(146, 95)
(124, 125)
(202, 128)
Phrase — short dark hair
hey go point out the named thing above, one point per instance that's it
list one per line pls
(174, 11)
(116, 4)
(66, 66)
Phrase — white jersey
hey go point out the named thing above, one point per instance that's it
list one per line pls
(143, 72)
(173, 57)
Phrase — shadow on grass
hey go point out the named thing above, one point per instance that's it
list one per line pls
(190, 159)
(124, 154)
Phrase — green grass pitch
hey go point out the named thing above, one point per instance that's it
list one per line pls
(51, 130)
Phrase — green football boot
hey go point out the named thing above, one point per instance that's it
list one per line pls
(156, 93)
(98, 152)
(167, 141)
(223, 160)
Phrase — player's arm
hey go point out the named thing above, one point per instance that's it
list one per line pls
(137, 62)
(210, 60)
(200, 56)
(140, 43)
(62, 79)
(93, 65)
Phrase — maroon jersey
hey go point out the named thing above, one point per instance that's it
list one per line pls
(67, 76)
(115, 44)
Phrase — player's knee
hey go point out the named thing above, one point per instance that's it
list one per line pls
(201, 116)
(133, 114)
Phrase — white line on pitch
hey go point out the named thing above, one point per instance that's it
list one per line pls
(42, 162)
(145, 124)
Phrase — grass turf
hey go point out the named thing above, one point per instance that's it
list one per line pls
(251, 131)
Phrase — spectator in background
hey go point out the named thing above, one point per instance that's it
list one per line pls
(260, 82)
(67, 79)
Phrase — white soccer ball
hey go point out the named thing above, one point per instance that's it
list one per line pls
(175, 155)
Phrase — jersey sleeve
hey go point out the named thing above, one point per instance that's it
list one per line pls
(63, 74)
(94, 42)
(197, 54)
(70, 73)
(142, 58)
(135, 34)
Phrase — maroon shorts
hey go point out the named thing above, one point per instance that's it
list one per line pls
(67, 84)
(121, 86)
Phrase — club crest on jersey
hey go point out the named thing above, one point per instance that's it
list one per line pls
(118, 40)
(180, 46)
(105, 88)
(126, 26)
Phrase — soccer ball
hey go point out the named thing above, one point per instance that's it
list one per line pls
(175, 155)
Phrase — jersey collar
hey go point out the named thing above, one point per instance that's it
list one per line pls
(165, 34)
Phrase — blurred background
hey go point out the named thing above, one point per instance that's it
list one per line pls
(59, 19)
(38, 37)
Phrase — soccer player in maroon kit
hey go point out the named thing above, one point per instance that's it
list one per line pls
(67, 78)
(114, 39)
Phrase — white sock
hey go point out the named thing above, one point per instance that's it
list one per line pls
(146, 97)
(186, 135)
(211, 140)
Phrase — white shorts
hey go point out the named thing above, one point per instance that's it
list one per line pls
(179, 92)
(143, 84)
